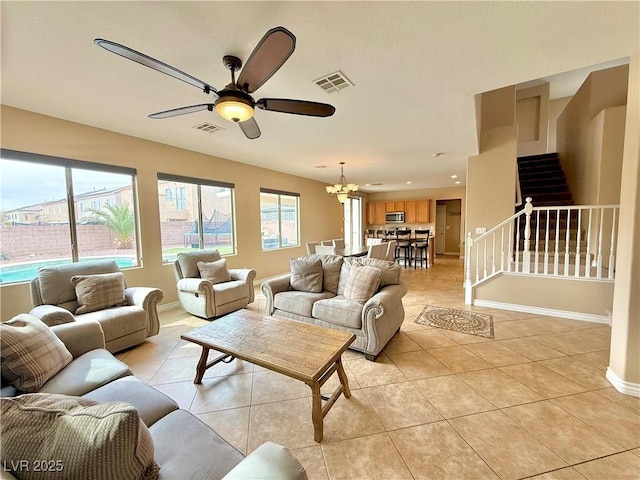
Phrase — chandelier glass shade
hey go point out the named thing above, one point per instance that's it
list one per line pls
(342, 189)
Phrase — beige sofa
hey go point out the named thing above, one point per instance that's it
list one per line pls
(374, 322)
(54, 298)
(201, 297)
(183, 446)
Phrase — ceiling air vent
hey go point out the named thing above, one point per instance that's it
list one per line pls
(208, 127)
(334, 82)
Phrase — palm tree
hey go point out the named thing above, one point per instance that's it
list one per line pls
(118, 218)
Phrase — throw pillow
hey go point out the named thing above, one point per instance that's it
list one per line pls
(97, 292)
(306, 274)
(331, 266)
(79, 438)
(363, 283)
(31, 353)
(390, 270)
(215, 272)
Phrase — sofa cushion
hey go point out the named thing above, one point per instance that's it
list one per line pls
(230, 291)
(390, 270)
(97, 292)
(363, 283)
(84, 439)
(186, 448)
(215, 272)
(300, 303)
(55, 282)
(331, 266)
(339, 311)
(118, 321)
(31, 353)
(188, 261)
(306, 274)
(85, 373)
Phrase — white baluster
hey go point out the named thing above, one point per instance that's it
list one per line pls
(587, 260)
(485, 257)
(517, 254)
(493, 254)
(567, 238)
(556, 256)
(600, 235)
(509, 246)
(502, 249)
(537, 260)
(526, 254)
(468, 297)
(546, 243)
(578, 238)
(612, 257)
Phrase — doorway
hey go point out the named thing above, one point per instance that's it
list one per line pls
(353, 222)
(448, 226)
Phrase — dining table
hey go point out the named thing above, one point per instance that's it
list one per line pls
(355, 251)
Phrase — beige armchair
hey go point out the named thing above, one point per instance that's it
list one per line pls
(201, 297)
(128, 315)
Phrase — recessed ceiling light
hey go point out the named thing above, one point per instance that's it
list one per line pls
(320, 166)
(367, 184)
(408, 182)
(454, 176)
(457, 182)
(437, 154)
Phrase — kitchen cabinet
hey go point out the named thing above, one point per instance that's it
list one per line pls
(422, 211)
(380, 213)
(410, 211)
(390, 206)
(371, 213)
(399, 206)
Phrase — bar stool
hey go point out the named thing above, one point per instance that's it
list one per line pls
(403, 247)
(421, 248)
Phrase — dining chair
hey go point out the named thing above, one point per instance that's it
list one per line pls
(338, 242)
(403, 247)
(373, 241)
(377, 251)
(391, 250)
(381, 233)
(420, 248)
(311, 247)
(326, 249)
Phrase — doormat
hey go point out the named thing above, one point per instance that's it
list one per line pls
(462, 321)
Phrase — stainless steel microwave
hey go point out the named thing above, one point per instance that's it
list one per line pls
(394, 217)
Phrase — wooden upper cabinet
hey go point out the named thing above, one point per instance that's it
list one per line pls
(422, 211)
(410, 211)
(390, 206)
(381, 218)
(371, 213)
(399, 207)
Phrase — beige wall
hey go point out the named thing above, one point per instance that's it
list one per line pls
(532, 117)
(588, 297)
(624, 361)
(556, 108)
(321, 215)
(602, 89)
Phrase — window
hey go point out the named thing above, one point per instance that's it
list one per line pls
(47, 221)
(279, 213)
(168, 195)
(197, 202)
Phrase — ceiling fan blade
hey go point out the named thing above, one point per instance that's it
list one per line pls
(274, 49)
(250, 128)
(174, 112)
(297, 107)
(150, 62)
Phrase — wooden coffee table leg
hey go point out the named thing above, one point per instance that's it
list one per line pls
(202, 365)
(316, 412)
(343, 379)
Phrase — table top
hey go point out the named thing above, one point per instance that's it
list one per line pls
(358, 251)
(296, 349)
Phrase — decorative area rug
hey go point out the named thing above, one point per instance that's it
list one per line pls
(462, 321)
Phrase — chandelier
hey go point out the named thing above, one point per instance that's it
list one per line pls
(341, 190)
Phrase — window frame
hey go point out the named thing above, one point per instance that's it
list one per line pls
(280, 194)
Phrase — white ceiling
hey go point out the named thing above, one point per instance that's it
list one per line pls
(416, 67)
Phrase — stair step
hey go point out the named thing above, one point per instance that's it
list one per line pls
(542, 156)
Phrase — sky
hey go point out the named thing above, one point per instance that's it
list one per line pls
(23, 183)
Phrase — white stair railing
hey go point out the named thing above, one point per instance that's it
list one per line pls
(588, 232)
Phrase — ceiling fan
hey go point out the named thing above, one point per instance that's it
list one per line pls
(235, 102)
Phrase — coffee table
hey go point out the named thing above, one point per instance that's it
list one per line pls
(298, 350)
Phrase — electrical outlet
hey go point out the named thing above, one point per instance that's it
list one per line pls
(481, 230)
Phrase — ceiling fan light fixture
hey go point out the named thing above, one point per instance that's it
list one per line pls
(235, 107)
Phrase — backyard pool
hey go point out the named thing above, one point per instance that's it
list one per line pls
(26, 271)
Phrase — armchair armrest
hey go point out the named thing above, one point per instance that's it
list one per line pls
(271, 287)
(147, 298)
(247, 275)
(52, 315)
(268, 461)
(80, 337)
(195, 285)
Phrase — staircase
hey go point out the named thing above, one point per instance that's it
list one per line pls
(542, 179)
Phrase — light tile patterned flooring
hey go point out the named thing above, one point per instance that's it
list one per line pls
(532, 403)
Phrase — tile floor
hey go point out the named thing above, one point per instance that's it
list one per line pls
(531, 403)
